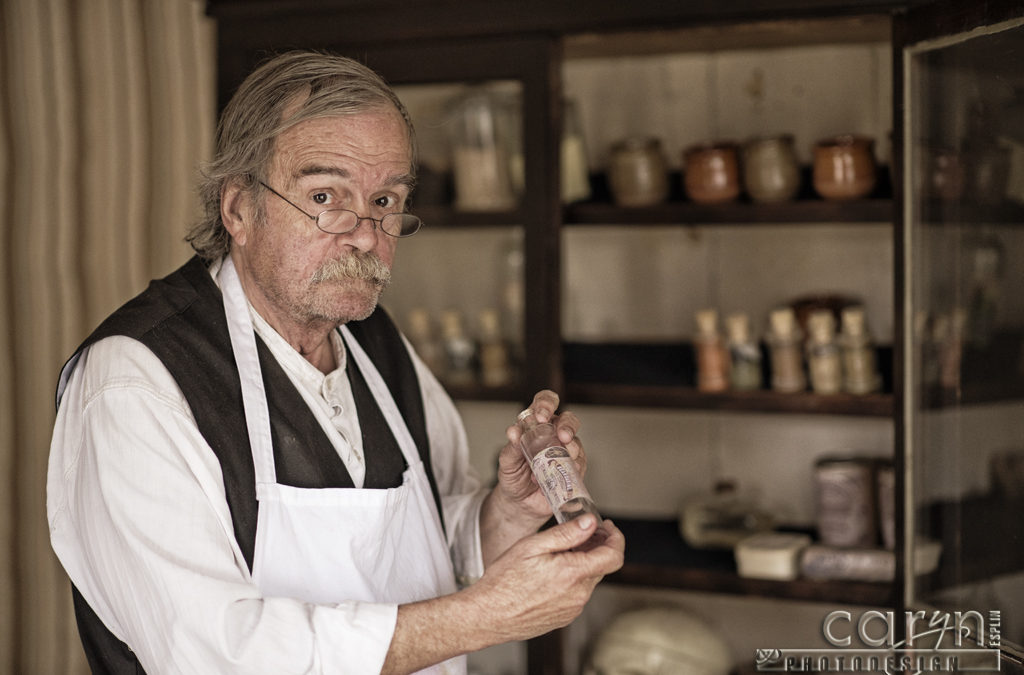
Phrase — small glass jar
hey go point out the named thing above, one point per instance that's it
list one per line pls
(575, 170)
(770, 169)
(712, 173)
(844, 167)
(638, 172)
(479, 158)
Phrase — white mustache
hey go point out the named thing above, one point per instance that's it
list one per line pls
(358, 265)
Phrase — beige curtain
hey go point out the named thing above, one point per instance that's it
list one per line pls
(106, 110)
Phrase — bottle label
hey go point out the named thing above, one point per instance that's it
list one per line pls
(557, 475)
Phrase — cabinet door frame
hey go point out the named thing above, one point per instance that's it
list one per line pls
(914, 29)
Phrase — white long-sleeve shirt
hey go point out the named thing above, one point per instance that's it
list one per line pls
(139, 519)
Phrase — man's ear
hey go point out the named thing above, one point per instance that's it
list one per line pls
(236, 210)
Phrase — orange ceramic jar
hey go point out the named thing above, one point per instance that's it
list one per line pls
(711, 173)
(844, 167)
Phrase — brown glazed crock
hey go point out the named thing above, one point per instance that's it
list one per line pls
(711, 172)
(844, 167)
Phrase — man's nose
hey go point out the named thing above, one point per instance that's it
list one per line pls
(365, 235)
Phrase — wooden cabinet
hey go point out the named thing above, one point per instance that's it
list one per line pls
(530, 43)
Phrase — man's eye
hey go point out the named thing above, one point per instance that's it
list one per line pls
(321, 198)
(383, 202)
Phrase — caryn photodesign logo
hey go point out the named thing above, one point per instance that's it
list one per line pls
(935, 642)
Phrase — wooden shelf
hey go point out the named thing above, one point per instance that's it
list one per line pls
(807, 208)
(803, 211)
(478, 392)
(654, 396)
(656, 555)
(663, 375)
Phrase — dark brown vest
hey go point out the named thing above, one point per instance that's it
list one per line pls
(181, 319)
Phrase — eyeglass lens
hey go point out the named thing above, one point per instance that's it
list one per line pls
(341, 221)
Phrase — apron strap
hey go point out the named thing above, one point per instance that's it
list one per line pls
(393, 415)
(383, 396)
(254, 395)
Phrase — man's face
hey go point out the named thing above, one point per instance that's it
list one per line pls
(358, 162)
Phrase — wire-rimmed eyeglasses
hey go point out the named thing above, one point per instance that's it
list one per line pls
(343, 221)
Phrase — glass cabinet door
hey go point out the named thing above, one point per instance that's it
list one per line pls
(962, 259)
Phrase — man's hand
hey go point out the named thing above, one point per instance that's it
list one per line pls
(540, 583)
(517, 486)
(543, 581)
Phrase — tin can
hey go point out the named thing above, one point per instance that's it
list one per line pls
(846, 502)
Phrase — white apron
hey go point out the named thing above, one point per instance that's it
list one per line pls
(329, 545)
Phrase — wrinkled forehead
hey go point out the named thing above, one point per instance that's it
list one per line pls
(368, 148)
(303, 109)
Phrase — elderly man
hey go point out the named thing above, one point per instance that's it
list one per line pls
(252, 472)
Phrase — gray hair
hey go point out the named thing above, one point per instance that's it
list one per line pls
(326, 85)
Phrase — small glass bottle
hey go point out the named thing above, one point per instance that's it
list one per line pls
(424, 341)
(556, 472)
(983, 258)
(575, 170)
(787, 363)
(823, 353)
(712, 357)
(512, 299)
(860, 373)
(459, 350)
(495, 370)
(951, 341)
(744, 355)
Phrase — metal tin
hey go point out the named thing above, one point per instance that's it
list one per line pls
(847, 515)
